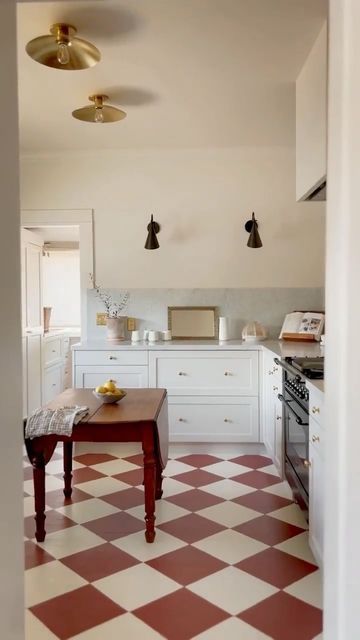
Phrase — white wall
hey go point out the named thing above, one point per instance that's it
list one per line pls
(11, 520)
(202, 198)
(61, 287)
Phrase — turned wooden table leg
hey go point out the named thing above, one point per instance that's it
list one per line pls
(39, 494)
(149, 487)
(159, 479)
(68, 453)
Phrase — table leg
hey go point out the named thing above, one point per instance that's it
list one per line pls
(68, 453)
(159, 479)
(39, 494)
(149, 487)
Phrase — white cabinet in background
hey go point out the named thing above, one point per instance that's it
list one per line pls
(52, 383)
(272, 410)
(316, 475)
(33, 298)
(213, 395)
(311, 119)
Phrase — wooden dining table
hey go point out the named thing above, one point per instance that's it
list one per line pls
(141, 416)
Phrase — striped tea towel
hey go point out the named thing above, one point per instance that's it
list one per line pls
(59, 421)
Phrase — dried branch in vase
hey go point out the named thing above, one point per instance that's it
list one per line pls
(113, 307)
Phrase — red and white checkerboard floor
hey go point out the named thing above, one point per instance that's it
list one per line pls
(230, 560)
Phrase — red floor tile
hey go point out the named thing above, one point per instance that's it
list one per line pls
(257, 479)
(262, 502)
(84, 475)
(255, 462)
(125, 499)
(35, 555)
(197, 478)
(134, 477)
(199, 460)
(99, 562)
(76, 611)
(94, 458)
(269, 530)
(54, 521)
(115, 526)
(194, 500)
(138, 459)
(283, 617)
(187, 565)
(276, 567)
(181, 615)
(56, 499)
(191, 528)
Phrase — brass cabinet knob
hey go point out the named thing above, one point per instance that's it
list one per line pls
(278, 417)
(182, 420)
(275, 369)
(315, 439)
(181, 373)
(307, 463)
(112, 358)
(227, 420)
(315, 410)
(227, 373)
(275, 388)
(271, 373)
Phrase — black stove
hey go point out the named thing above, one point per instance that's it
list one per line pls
(309, 367)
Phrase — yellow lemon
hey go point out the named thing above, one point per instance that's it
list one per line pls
(100, 389)
(110, 385)
(109, 393)
(118, 392)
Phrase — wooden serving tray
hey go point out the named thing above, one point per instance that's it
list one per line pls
(299, 337)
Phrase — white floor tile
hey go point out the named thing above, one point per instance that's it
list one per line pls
(87, 510)
(49, 580)
(280, 489)
(136, 545)
(51, 484)
(232, 590)
(227, 489)
(36, 630)
(119, 449)
(226, 469)
(173, 487)
(102, 486)
(29, 507)
(175, 467)
(68, 541)
(126, 626)
(308, 589)
(112, 467)
(230, 546)
(164, 511)
(270, 468)
(228, 513)
(136, 586)
(298, 546)
(57, 466)
(232, 629)
(291, 514)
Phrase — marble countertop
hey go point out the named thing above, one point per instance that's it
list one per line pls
(278, 347)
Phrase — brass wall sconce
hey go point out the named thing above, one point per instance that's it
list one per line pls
(153, 229)
(63, 50)
(251, 227)
(99, 112)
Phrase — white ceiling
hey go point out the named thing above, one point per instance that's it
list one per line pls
(189, 73)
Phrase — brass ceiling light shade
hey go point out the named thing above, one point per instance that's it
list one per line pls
(99, 112)
(153, 229)
(63, 50)
(251, 227)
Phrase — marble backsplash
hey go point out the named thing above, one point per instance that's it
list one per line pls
(268, 306)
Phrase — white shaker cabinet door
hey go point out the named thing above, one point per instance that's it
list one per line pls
(316, 490)
(34, 372)
(90, 376)
(52, 385)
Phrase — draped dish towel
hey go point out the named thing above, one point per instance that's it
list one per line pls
(54, 421)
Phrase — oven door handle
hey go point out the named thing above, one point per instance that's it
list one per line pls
(288, 367)
(289, 408)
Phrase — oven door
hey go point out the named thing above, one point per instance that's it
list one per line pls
(296, 431)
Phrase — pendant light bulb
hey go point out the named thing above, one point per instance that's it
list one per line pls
(63, 54)
(99, 116)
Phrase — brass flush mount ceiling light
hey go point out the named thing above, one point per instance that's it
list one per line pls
(99, 112)
(251, 227)
(63, 50)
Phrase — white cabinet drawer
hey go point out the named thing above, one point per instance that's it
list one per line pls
(51, 350)
(316, 405)
(52, 384)
(88, 377)
(213, 419)
(115, 357)
(205, 373)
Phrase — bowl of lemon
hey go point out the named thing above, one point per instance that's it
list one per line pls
(109, 393)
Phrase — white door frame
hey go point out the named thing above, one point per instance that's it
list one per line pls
(82, 218)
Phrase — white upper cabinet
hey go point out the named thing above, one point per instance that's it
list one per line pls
(311, 119)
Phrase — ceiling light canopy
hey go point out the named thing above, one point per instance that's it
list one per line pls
(99, 112)
(63, 50)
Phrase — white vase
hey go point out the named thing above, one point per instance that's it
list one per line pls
(223, 328)
(116, 328)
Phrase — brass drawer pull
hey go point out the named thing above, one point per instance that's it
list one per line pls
(227, 373)
(307, 463)
(182, 420)
(181, 373)
(271, 373)
(275, 388)
(315, 439)
(278, 417)
(112, 358)
(227, 420)
(315, 410)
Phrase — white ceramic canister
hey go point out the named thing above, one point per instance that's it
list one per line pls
(223, 328)
(153, 336)
(135, 336)
(166, 335)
